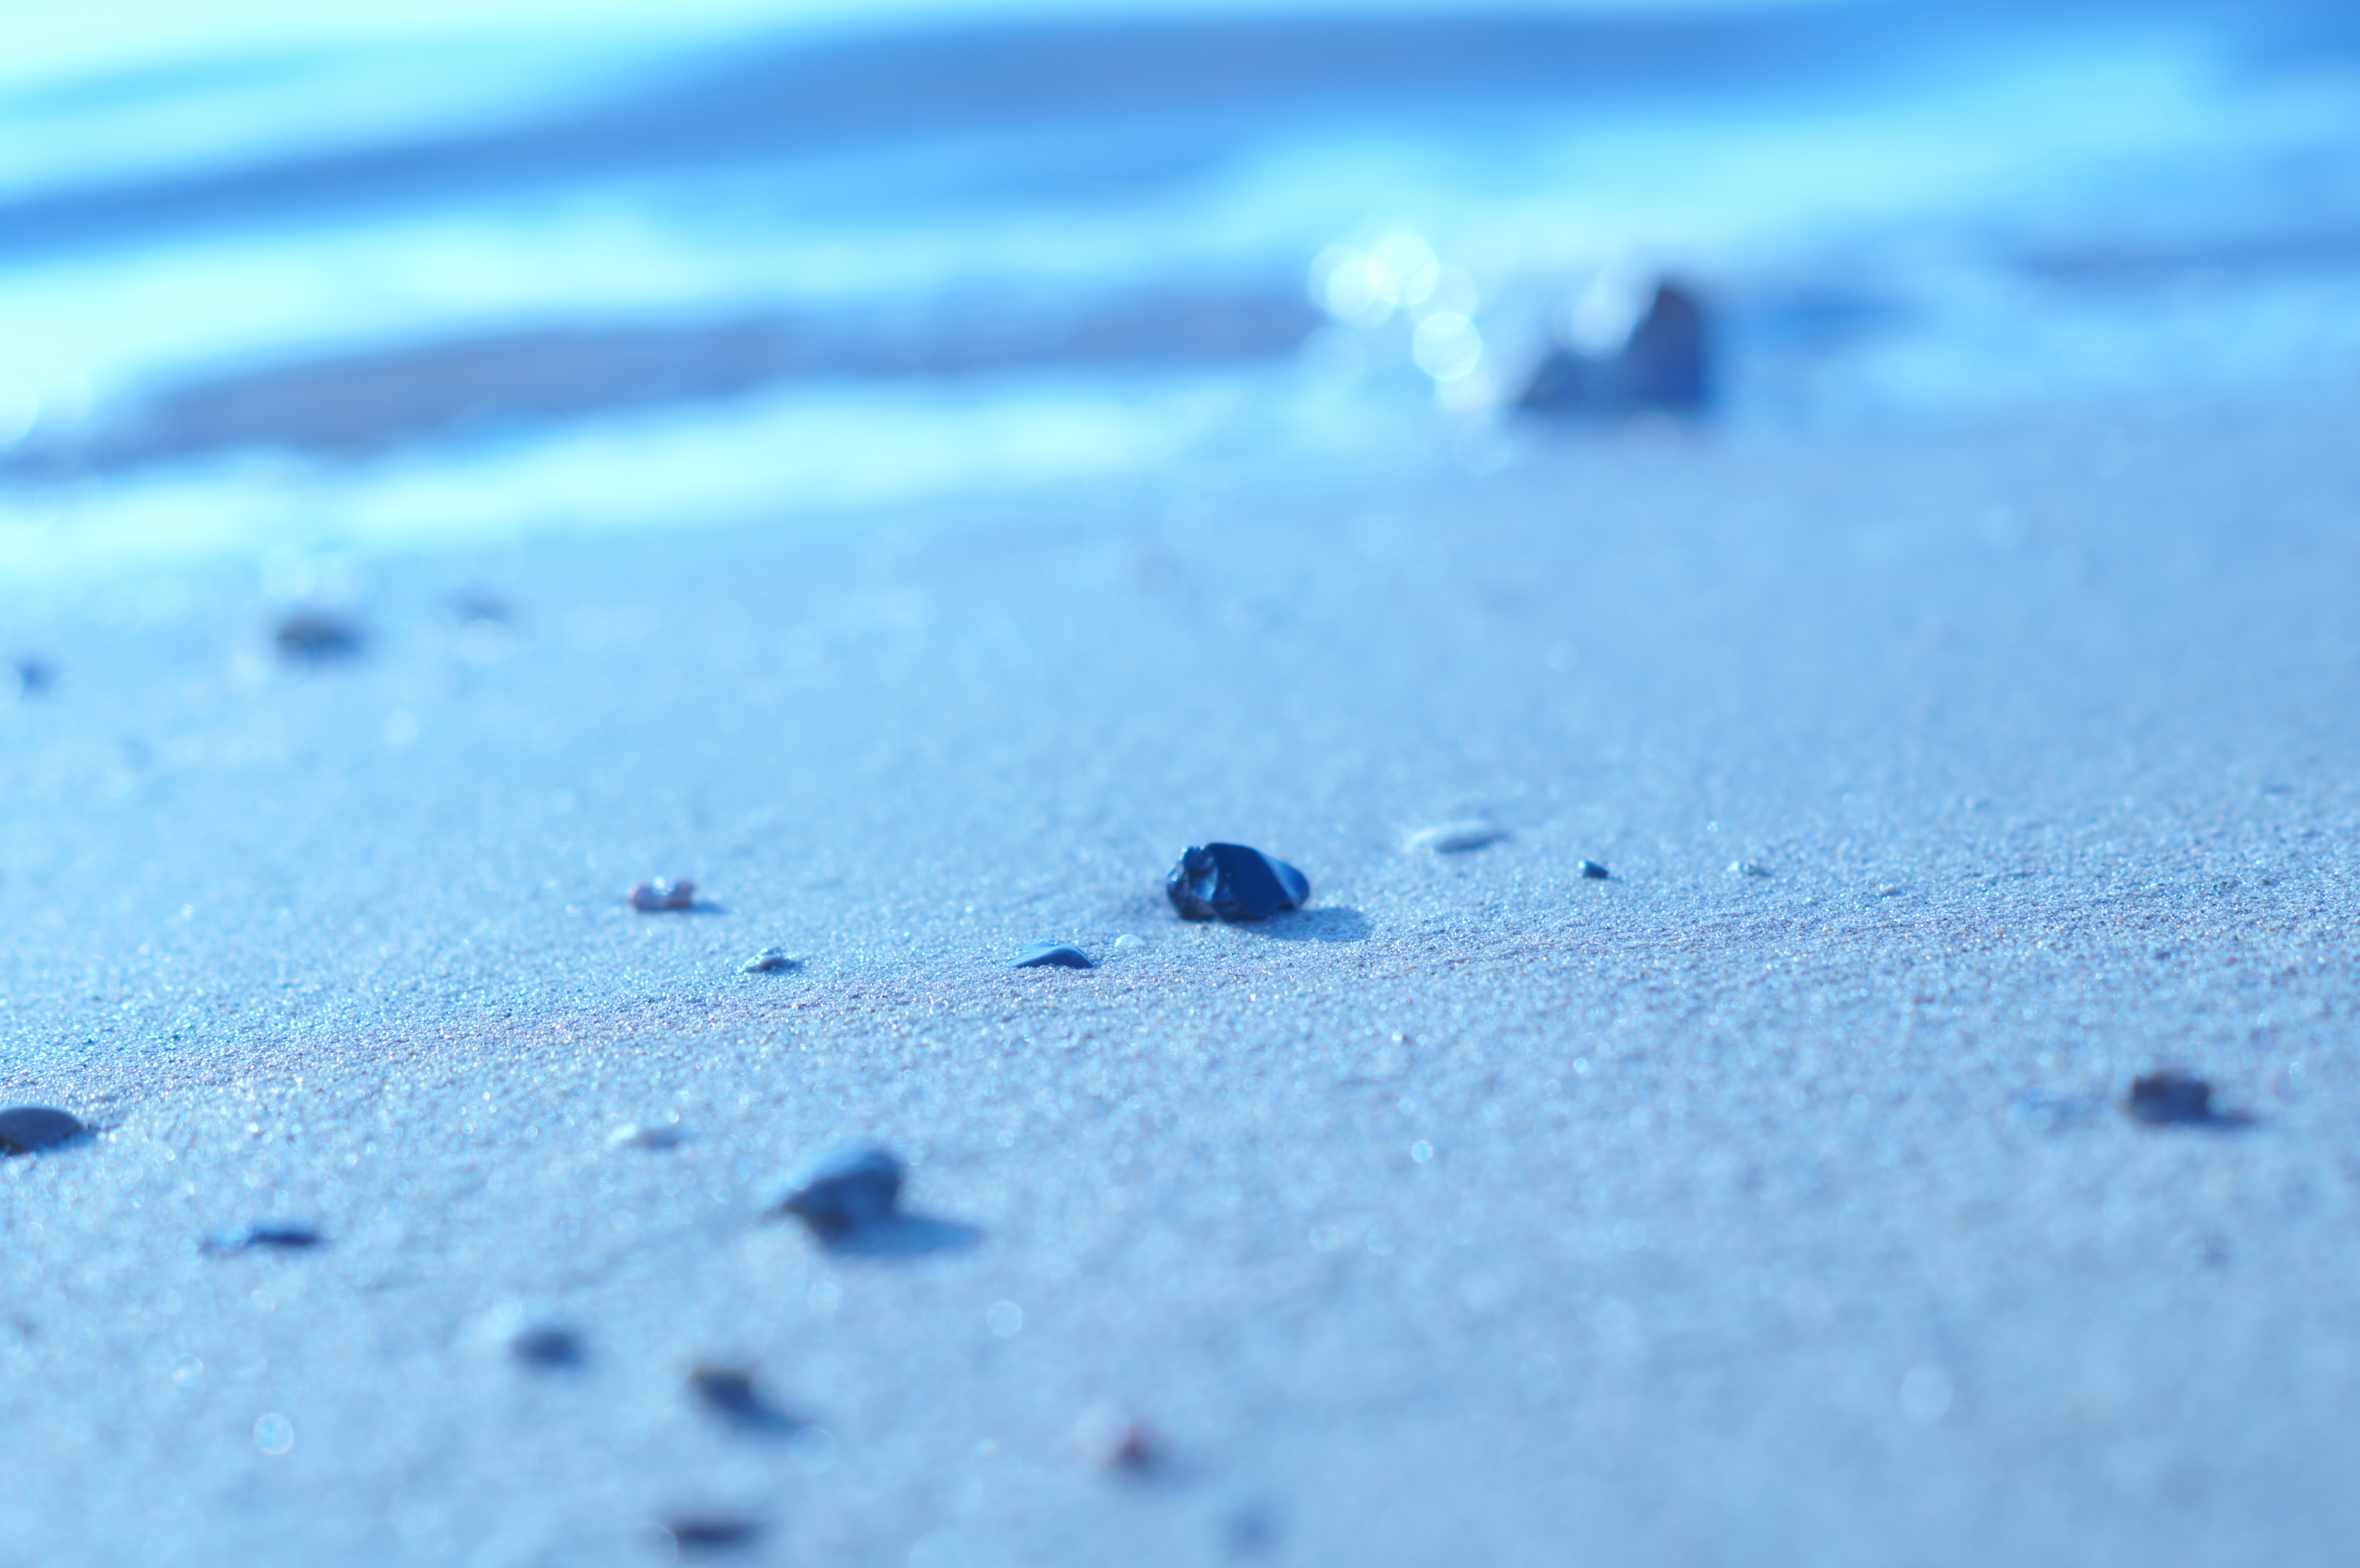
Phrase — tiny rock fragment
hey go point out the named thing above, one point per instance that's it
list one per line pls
(30, 677)
(549, 1348)
(272, 1238)
(1130, 941)
(633, 1135)
(769, 960)
(663, 893)
(1233, 882)
(1052, 955)
(707, 1535)
(1591, 868)
(28, 1129)
(729, 1392)
(314, 636)
(1454, 838)
(839, 1190)
(1748, 868)
(2171, 1099)
(1108, 1437)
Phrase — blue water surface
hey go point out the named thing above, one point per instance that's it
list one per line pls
(449, 273)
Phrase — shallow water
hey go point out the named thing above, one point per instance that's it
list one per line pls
(411, 279)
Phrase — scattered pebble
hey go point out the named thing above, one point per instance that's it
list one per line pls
(1110, 1437)
(30, 677)
(663, 893)
(632, 1134)
(2171, 1098)
(314, 636)
(840, 1190)
(1591, 868)
(1231, 882)
(28, 1129)
(548, 1348)
(729, 1392)
(769, 960)
(1748, 868)
(703, 1535)
(1052, 955)
(267, 1238)
(1130, 941)
(1454, 838)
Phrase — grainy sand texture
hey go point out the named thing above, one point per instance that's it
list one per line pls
(1482, 1212)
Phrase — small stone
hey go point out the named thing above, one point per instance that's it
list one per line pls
(663, 893)
(1748, 868)
(729, 1392)
(704, 1535)
(1455, 838)
(549, 1348)
(1130, 941)
(1052, 955)
(2170, 1098)
(631, 1135)
(274, 1237)
(28, 1129)
(840, 1190)
(314, 636)
(30, 677)
(1591, 868)
(1231, 882)
(769, 960)
(1110, 1437)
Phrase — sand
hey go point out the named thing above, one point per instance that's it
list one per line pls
(1483, 1213)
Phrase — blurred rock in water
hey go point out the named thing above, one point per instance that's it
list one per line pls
(1662, 365)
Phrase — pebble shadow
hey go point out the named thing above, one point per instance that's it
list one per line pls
(906, 1236)
(1313, 925)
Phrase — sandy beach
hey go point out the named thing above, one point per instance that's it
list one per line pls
(1482, 1212)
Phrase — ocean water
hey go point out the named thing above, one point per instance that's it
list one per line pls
(434, 272)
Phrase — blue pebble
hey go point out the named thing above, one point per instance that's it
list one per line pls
(1233, 882)
(28, 1129)
(1052, 954)
(840, 1190)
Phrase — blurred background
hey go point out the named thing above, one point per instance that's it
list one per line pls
(401, 275)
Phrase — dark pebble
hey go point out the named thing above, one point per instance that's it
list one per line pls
(314, 636)
(663, 893)
(1591, 868)
(700, 1536)
(729, 1392)
(1052, 955)
(32, 675)
(550, 1349)
(267, 1238)
(28, 1129)
(1231, 882)
(2169, 1099)
(1661, 366)
(769, 960)
(840, 1190)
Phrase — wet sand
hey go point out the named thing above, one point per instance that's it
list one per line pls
(1484, 1212)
